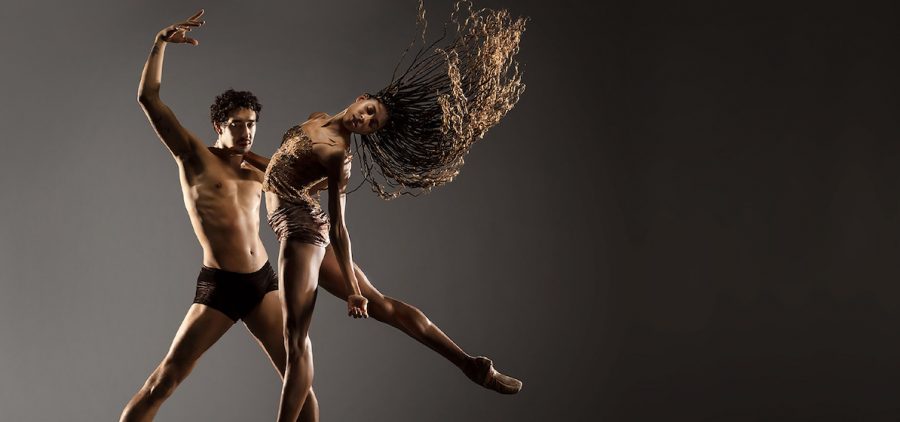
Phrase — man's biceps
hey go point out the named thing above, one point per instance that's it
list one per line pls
(180, 142)
(164, 120)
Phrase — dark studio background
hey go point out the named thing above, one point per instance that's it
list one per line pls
(690, 215)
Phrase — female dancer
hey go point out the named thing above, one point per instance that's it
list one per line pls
(417, 130)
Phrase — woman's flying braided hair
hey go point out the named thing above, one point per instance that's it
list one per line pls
(445, 100)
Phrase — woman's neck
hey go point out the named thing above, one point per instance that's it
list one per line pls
(334, 123)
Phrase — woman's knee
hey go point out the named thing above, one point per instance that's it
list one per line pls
(380, 307)
(296, 323)
(407, 314)
(297, 344)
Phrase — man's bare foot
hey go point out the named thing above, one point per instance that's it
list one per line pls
(481, 371)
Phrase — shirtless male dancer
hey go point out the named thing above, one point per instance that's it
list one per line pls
(222, 188)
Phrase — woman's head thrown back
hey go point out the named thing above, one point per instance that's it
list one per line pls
(450, 94)
(366, 115)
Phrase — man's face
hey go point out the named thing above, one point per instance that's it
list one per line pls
(236, 134)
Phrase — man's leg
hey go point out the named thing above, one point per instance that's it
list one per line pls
(415, 324)
(266, 324)
(201, 328)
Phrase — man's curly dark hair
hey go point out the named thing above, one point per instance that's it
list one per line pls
(231, 100)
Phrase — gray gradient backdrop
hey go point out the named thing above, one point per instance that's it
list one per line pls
(691, 214)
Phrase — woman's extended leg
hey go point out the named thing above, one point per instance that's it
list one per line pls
(298, 274)
(415, 324)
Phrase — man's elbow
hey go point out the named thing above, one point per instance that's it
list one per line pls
(147, 97)
(143, 99)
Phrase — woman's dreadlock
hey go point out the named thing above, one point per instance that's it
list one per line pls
(447, 99)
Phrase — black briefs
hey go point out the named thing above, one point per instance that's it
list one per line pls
(234, 294)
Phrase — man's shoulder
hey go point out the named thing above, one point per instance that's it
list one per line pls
(252, 173)
(200, 162)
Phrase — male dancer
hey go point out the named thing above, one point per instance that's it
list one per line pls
(222, 192)
(222, 197)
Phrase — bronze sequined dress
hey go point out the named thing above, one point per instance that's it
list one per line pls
(292, 171)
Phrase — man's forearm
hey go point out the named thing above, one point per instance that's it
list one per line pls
(256, 160)
(152, 74)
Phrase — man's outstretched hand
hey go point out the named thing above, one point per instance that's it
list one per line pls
(177, 33)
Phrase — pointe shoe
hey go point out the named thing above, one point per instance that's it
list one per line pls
(482, 372)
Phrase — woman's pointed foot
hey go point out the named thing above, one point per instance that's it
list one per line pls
(481, 371)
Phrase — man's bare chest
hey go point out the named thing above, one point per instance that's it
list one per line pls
(219, 184)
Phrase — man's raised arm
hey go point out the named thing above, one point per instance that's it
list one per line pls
(178, 139)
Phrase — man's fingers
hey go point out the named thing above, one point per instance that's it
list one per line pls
(197, 15)
(191, 41)
(173, 34)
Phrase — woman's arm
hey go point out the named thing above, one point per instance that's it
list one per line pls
(345, 177)
(340, 238)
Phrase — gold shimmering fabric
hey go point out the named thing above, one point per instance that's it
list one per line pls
(292, 171)
(304, 221)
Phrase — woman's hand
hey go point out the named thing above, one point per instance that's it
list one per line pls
(356, 306)
(177, 33)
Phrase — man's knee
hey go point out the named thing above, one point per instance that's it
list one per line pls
(164, 380)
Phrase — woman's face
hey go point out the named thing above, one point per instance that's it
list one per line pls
(365, 116)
